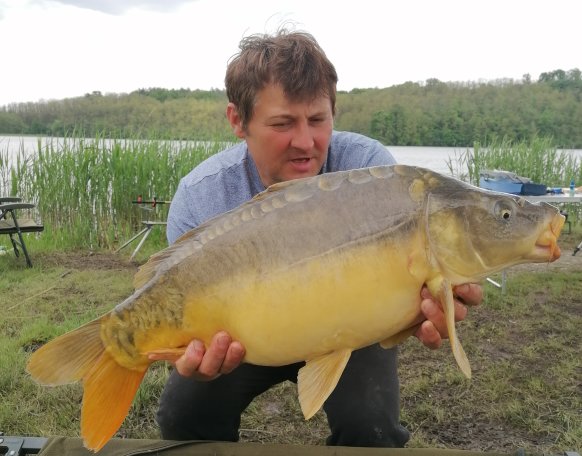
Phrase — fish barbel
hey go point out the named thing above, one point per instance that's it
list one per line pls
(309, 270)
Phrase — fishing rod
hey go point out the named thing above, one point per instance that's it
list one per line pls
(154, 201)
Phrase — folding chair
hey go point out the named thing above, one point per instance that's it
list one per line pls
(20, 446)
(149, 224)
(14, 227)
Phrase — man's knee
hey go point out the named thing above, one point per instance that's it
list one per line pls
(355, 431)
(189, 410)
(196, 426)
(364, 409)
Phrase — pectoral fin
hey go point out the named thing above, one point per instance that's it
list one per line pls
(318, 378)
(397, 339)
(444, 291)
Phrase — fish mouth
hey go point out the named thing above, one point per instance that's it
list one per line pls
(546, 247)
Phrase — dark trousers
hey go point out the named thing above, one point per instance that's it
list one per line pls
(363, 410)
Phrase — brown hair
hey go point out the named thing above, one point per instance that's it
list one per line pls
(294, 60)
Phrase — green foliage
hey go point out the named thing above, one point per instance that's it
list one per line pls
(430, 113)
(172, 94)
(84, 188)
(144, 114)
(562, 80)
(458, 114)
(393, 126)
(537, 159)
(11, 122)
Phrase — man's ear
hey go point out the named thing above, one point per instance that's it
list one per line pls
(235, 120)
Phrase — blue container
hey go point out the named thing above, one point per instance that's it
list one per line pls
(507, 182)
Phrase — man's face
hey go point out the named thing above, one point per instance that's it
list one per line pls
(287, 140)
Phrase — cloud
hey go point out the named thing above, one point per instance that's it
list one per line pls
(119, 7)
(3, 7)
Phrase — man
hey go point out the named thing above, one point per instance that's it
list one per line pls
(281, 92)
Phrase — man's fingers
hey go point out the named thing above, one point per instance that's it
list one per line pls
(460, 311)
(470, 294)
(215, 354)
(188, 364)
(429, 335)
(233, 358)
(221, 357)
(432, 311)
(434, 329)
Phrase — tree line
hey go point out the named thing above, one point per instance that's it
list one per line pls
(429, 113)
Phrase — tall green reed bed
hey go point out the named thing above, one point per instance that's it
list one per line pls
(84, 188)
(538, 159)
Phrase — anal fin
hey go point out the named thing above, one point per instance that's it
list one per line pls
(318, 378)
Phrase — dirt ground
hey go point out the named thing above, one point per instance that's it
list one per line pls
(88, 261)
(472, 434)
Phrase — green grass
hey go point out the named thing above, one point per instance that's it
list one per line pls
(524, 347)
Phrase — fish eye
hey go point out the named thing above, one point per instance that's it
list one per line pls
(503, 210)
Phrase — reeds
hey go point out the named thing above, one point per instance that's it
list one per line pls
(537, 159)
(84, 188)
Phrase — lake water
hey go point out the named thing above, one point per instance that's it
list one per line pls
(435, 158)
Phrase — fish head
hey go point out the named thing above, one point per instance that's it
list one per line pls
(473, 232)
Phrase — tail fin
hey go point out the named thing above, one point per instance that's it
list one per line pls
(67, 358)
(109, 388)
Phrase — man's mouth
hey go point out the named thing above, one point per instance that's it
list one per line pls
(302, 165)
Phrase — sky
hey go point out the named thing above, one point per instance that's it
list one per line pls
(67, 48)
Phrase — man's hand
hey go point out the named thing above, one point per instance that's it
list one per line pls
(222, 356)
(433, 329)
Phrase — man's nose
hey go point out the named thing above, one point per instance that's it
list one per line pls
(302, 137)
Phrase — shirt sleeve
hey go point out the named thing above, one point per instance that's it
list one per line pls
(181, 217)
(352, 150)
(378, 155)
